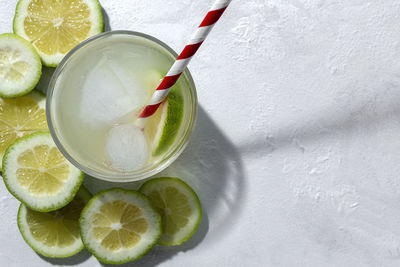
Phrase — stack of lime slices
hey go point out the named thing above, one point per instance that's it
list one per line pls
(119, 226)
(58, 217)
(36, 173)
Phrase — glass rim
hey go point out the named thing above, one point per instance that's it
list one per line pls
(136, 175)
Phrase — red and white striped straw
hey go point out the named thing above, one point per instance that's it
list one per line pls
(183, 60)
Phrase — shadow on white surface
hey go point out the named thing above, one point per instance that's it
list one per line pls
(345, 118)
(160, 254)
(212, 166)
(106, 20)
(82, 256)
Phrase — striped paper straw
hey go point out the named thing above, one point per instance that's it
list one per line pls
(183, 60)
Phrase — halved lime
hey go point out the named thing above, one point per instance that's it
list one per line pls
(54, 234)
(118, 225)
(178, 205)
(20, 66)
(38, 175)
(163, 126)
(21, 116)
(55, 27)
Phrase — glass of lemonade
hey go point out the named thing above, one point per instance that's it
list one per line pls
(96, 95)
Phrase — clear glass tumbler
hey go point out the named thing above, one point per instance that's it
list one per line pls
(56, 100)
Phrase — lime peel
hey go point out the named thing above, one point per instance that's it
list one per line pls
(121, 254)
(20, 66)
(53, 35)
(43, 202)
(31, 117)
(163, 126)
(176, 199)
(66, 250)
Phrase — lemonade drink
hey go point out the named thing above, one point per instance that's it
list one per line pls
(96, 96)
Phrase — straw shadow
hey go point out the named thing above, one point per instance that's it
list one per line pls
(106, 20)
(79, 258)
(213, 167)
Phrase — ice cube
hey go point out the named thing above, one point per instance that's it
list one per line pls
(126, 148)
(109, 93)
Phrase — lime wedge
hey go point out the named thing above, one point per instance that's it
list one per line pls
(55, 27)
(20, 66)
(54, 234)
(38, 175)
(178, 205)
(21, 116)
(118, 226)
(163, 127)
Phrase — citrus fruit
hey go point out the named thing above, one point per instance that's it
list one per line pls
(163, 126)
(55, 27)
(54, 234)
(178, 205)
(21, 116)
(118, 225)
(38, 175)
(20, 66)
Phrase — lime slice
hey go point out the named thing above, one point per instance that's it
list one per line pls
(118, 226)
(38, 175)
(163, 127)
(19, 117)
(178, 205)
(55, 27)
(20, 66)
(54, 234)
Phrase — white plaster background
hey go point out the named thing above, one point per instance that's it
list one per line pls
(296, 154)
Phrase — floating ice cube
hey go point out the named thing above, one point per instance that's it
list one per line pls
(126, 148)
(109, 93)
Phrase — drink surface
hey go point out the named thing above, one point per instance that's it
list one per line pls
(98, 96)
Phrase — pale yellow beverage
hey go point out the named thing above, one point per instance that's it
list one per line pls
(96, 96)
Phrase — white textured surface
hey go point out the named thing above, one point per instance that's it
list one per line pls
(296, 155)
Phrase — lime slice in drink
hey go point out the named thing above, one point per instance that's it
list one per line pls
(118, 225)
(38, 175)
(20, 66)
(21, 116)
(54, 234)
(55, 27)
(178, 205)
(163, 127)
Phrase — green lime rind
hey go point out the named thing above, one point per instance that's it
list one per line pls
(8, 175)
(85, 223)
(85, 195)
(172, 122)
(101, 25)
(162, 182)
(53, 61)
(36, 68)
